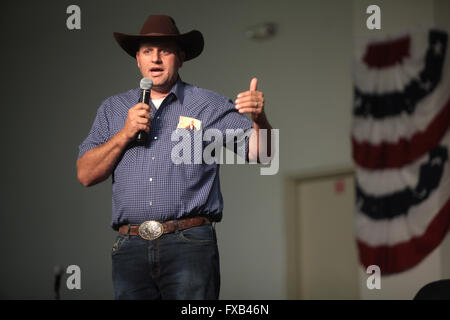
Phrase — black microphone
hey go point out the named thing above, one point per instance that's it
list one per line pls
(146, 85)
(57, 271)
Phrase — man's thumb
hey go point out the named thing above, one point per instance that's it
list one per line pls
(254, 84)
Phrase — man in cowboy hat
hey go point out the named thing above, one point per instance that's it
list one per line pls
(166, 247)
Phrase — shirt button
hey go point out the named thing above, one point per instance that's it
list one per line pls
(151, 179)
(156, 138)
(153, 158)
(157, 117)
(150, 203)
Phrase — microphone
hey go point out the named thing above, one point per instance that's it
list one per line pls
(57, 271)
(146, 85)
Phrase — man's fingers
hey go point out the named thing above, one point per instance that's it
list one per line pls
(144, 128)
(248, 104)
(256, 94)
(249, 98)
(250, 101)
(254, 84)
(143, 113)
(142, 106)
(247, 110)
(142, 120)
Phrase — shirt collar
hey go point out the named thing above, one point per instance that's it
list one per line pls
(178, 90)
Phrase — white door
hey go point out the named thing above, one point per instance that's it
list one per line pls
(327, 254)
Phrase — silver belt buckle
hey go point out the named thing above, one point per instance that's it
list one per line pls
(151, 230)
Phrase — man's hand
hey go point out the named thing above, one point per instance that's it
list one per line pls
(252, 102)
(138, 119)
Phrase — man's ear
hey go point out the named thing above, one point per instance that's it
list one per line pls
(137, 59)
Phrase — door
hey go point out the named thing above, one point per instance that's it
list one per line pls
(327, 263)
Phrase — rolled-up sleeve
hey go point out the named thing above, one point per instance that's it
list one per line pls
(99, 133)
(235, 127)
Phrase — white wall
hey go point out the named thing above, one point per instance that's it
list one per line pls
(396, 15)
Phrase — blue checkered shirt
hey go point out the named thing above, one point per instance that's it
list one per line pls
(146, 184)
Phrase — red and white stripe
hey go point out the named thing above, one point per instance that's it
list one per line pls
(389, 152)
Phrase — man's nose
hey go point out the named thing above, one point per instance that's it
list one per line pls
(156, 56)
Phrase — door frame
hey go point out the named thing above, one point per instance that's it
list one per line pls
(291, 208)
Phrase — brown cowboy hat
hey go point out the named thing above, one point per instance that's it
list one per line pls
(162, 27)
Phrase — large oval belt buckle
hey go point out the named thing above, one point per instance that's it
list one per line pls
(151, 230)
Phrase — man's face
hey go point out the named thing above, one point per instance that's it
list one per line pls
(160, 62)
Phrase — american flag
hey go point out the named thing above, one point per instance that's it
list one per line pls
(400, 143)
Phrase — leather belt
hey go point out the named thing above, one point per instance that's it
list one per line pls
(151, 230)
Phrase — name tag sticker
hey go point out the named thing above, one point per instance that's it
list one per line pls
(189, 123)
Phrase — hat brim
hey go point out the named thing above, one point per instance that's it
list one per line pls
(191, 43)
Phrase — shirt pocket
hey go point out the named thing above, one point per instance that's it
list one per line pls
(187, 146)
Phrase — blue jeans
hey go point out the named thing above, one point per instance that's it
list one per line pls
(176, 266)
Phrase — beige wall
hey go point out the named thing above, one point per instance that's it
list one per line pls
(396, 15)
(442, 13)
